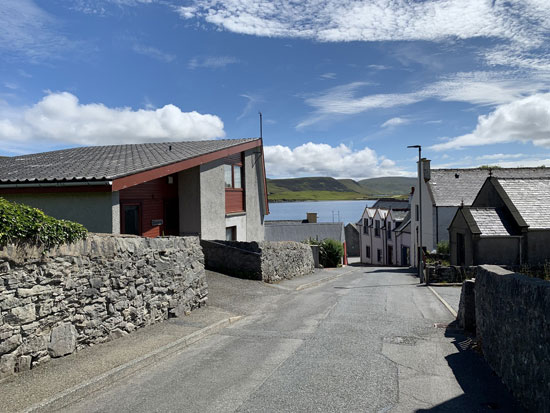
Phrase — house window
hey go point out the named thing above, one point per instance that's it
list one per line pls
(365, 225)
(379, 255)
(417, 212)
(233, 176)
(377, 228)
(231, 234)
(368, 252)
(389, 229)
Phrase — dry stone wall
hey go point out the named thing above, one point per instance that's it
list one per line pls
(512, 313)
(93, 291)
(268, 261)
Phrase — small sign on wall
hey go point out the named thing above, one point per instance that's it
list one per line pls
(157, 222)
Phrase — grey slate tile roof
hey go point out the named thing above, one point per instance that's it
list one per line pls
(104, 162)
(491, 222)
(531, 197)
(405, 221)
(399, 215)
(389, 203)
(285, 231)
(450, 187)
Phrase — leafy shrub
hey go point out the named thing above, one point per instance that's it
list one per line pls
(330, 253)
(22, 223)
(443, 247)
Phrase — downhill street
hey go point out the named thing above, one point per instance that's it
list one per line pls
(371, 340)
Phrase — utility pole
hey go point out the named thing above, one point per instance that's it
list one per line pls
(261, 126)
(420, 249)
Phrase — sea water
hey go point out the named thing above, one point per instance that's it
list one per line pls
(327, 211)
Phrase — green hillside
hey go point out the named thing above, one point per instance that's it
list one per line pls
(326, 188)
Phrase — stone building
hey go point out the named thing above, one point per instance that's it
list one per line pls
(508, 223)
(444, 191)
(214, 189)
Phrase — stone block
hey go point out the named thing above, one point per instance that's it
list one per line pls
(62, 340)
(25, 314)
(7, 365)
(23, 363)
(10, 343)
(36, 290)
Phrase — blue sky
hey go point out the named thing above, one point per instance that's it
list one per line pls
(344, 86)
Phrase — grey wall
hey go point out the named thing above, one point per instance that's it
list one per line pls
(212, 200)
(498, 251)
(94, 210)
(92, 291)
(254, 195)
(513, 326)
(352, 240)
(189, 201)
(538, 247)
(266, 260)
(444, 217)
(460, 227)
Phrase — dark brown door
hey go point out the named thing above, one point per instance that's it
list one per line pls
(460, 249)
(131, 219)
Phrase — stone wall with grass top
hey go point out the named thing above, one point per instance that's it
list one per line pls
(94, 290)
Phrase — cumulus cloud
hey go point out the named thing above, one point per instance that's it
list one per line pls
(480, 88)
(59, 118)
(393, 122)
(319, 159)
(524, 120)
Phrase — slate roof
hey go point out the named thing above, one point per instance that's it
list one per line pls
(451, 187)
(406, 221)
(390, 203)
(399, 215)
(490, 222)
(275, 231)
(531, 197)
(94, 163)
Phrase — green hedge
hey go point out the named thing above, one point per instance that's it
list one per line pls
(330, 251)
(21, 223)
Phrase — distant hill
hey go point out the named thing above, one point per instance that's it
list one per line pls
(326, 188)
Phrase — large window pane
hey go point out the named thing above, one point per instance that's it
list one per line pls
(228, 177)
(238, 171)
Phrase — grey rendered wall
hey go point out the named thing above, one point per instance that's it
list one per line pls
(254, 196)
(189, 201)
(212, 200)
(538, 251)
(497, 251)
(94, 210)
(352, 240)
(460, 226)
(444, 217)
(115, 212)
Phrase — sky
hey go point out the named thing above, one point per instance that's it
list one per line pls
(344, 86)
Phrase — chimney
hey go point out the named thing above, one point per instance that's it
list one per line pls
(426, 173)
(311, 217)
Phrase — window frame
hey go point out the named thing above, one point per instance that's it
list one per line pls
(377, 228)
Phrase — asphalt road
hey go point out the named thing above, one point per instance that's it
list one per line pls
(372, 340)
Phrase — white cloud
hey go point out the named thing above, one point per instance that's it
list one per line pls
(329, 75)
(153, 53)
(59, 118)
(524, 120)
(393, 122)
(28, 31)
(318, 159)
(501, 156)
(480, 88)
(212, 62)
(252, 100)
(379, 20)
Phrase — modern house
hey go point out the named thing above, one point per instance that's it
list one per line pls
(380, 244)
(444, 191)
(214, 189)
(508, 223)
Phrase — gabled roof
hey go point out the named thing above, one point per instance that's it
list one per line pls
(403, 224)
(452, 187)
(399, 215)
(391, 203)
(531, 198)
(104, 163)
(488, 222)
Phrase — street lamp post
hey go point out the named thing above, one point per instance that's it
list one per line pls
(420, 250)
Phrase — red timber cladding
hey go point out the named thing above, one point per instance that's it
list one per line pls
(235, 197)
(152, 197)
